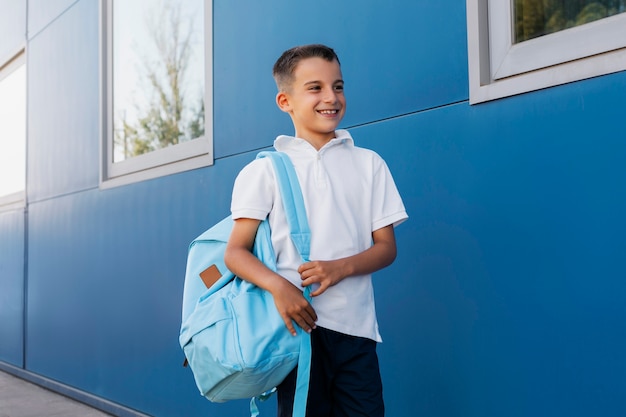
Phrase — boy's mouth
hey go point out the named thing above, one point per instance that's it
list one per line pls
(328, 112)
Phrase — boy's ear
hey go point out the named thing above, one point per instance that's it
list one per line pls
(282, 100)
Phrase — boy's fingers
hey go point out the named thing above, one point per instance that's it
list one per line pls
(289, 325)
(306, 320)
(310, 318)
(303, 267)
(320, 290)
(307, 324)
(305, 327)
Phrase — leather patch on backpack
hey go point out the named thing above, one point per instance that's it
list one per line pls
(210, 275)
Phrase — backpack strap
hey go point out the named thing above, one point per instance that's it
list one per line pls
(293, 202)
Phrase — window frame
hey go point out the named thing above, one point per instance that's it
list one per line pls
(196, 153)
(16, 200)
(498, 68)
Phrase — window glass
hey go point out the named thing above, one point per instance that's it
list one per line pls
(158, 75)
(13, 134)
(534, 18)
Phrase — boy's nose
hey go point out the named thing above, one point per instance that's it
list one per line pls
(330, 96)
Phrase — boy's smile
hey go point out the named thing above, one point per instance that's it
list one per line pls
(315, 100)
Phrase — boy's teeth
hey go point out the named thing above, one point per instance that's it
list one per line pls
(328, 111)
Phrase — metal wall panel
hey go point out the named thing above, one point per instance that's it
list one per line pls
(42, 12)
(12, 286)
(64, 104)
(12, 28)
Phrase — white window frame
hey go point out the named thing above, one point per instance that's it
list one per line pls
(196, 153)
(17, 199)
(499, 68)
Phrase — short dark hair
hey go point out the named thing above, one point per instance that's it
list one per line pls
(286, 64)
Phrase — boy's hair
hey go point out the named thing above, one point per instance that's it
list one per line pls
(286, 64)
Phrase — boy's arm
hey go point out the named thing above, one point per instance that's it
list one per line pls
(328, 273)
(240, 260)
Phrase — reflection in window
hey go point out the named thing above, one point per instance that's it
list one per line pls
(534, 18)
(13, 134)
(158, 75)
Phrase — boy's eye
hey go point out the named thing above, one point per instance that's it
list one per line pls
(314, 87)
(339, 87)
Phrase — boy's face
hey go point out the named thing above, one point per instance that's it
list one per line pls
(315, 100)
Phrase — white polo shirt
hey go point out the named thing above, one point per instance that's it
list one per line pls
(348, 193)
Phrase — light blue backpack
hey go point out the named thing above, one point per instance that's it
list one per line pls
(234, 340)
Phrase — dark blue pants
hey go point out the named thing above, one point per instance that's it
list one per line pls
(345, 378)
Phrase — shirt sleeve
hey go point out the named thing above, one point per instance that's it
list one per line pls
(253, 191)
(387, 205)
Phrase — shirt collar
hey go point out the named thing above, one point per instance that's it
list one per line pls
(284, 142)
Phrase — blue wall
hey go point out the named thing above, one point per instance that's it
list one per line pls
(12, 287)
(507, 295)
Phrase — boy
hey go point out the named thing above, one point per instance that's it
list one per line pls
(352, 205)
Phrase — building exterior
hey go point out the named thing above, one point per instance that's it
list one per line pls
(507, 296)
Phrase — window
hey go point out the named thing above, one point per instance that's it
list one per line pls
(13, 136)
(158, 114)
(524, 45)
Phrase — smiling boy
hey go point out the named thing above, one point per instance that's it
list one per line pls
(352, 206)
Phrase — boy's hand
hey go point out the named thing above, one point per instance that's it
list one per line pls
(324, 273)
(329, 273)
(292, 306)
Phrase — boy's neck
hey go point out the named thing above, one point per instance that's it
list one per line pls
(317, 142)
